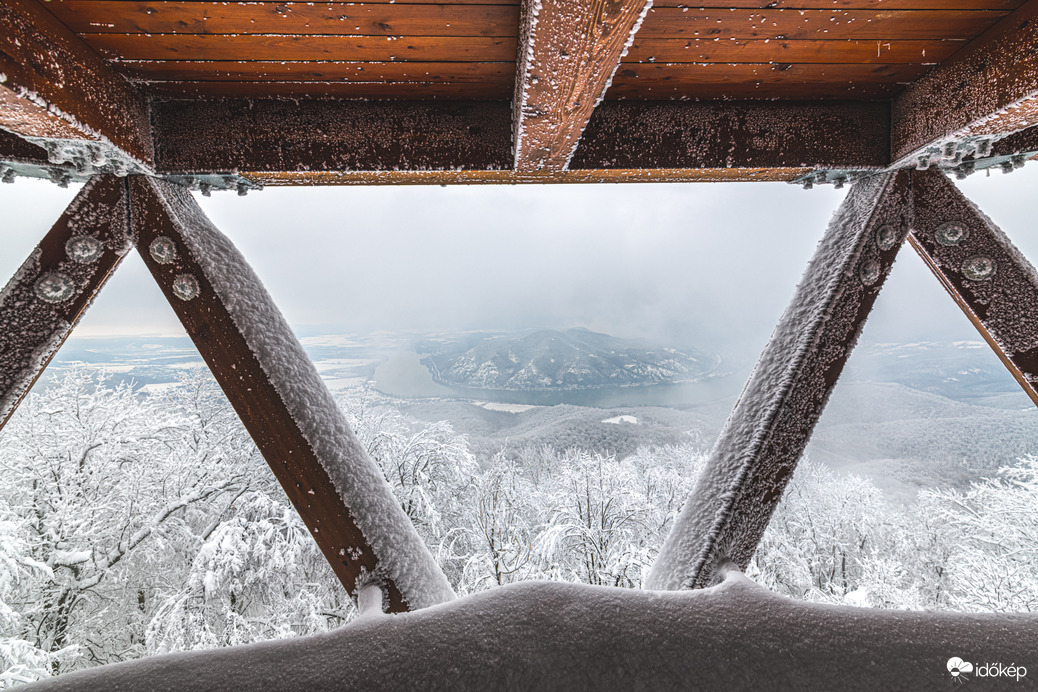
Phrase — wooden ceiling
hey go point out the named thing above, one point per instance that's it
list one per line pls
(239, 93)
(789, 49)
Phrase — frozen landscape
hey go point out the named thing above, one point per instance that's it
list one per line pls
(922, 459)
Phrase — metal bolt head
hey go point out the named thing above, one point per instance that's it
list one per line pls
(163, 250)
(950, 234)
(886, 237)
(186, 287)
(84, 249)
(54, 287)
(978, 268)
(869, 271)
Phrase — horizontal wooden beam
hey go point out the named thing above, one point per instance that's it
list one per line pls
(52, 85)
(16, 149)
(328, 135)
(301, 47)
(789, 52)
(470, 141)
(337, 489)
(987, 90)
(723, 21)
(735, 135)
(612, 175)
(48, 295)
(728, 510)
(993, 283)
(568, 52)
(316, 18)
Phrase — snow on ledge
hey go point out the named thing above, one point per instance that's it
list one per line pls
(560, 636)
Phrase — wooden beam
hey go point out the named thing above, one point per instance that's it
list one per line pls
(754, 457)
(612, 175)
(730, 134)
(568, 52)
(329, 135)
(985, 91)
(337, 489)
(52, 85)
(44, 300)
(993, 283)
(469, 141)
(17, 150)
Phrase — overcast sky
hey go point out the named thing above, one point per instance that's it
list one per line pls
(687, 264)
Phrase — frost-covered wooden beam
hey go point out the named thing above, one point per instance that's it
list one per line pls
(391, 142)
(993, 283)
(53, 288)
(568, 52)
(54, 87)
(337, 489)
(985, 91)
(200, 136)
(754, 457)
(559, 636)
(733, 134)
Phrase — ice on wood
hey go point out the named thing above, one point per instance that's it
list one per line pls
(560, 636)
(402, 556)
(48, 294)
(761, 442)
(983, 271)
(568, 54)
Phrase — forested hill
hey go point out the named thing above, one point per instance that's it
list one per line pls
(573, 359)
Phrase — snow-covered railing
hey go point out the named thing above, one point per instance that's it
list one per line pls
(559, 636)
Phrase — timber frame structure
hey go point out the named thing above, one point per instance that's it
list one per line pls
(148, 100)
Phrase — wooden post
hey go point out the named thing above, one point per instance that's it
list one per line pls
(754, 457)
(337, 489)
(53, 288)
(993, 283)
(568, 52)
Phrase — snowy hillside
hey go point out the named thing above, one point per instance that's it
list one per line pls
(568, 360)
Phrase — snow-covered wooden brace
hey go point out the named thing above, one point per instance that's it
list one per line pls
(993, 283)
(754, 457)
(335, 486)
(573, 637)
(568, 52)
(54, 286)
(985, 91)
(58, 91)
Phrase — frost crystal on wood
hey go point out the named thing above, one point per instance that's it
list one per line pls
(568, 53)
(286, 407)
(985, 274)
(53, 288)
(754, 457)
(984, 92)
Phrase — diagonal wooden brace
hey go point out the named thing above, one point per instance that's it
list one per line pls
(728, 509)
(53, 288)
(982, 270)
(335, 486)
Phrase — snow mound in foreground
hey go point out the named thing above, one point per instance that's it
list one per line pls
(559, 636)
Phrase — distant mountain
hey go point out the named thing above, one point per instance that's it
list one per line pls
(967, 371)
(574, 359)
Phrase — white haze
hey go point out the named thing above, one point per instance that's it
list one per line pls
(711, 265)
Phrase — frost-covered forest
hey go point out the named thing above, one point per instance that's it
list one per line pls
(133, 524)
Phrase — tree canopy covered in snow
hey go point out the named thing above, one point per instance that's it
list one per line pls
(135, 523)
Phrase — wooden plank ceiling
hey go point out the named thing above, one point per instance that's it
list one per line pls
(741, 49)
